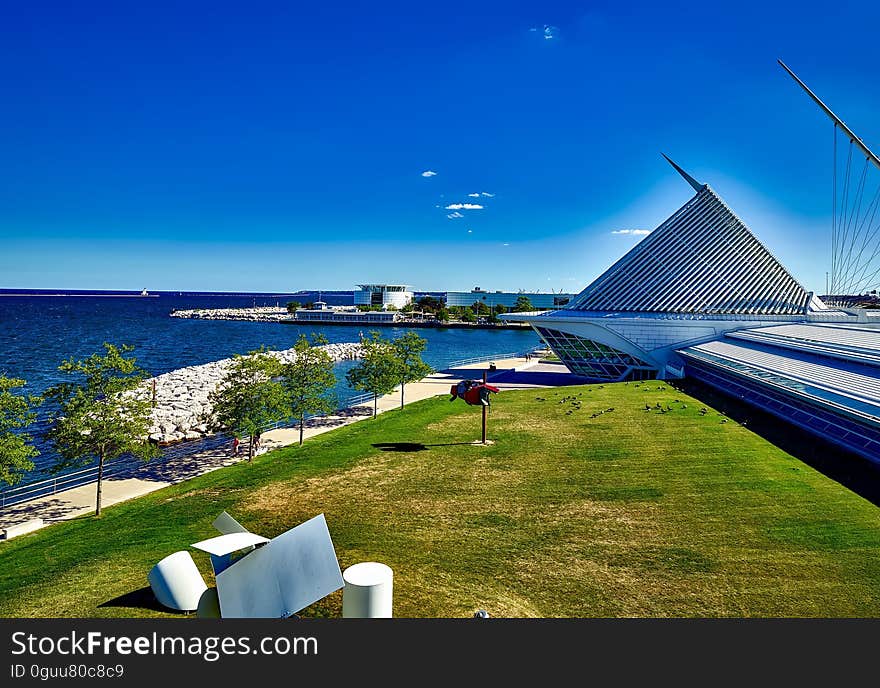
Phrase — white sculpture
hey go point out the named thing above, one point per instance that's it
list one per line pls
(209, 605)
(283, 576)
(223, 547)
(369, 588)
(177, 583)
(227, 525)
(256, 577)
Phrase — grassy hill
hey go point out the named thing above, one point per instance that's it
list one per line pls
(615, 500)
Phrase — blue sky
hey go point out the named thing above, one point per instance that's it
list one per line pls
(281, 146)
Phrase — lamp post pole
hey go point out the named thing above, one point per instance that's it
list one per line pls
(484, 411)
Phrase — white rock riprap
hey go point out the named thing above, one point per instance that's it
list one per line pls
(183, 409)
(258, 314)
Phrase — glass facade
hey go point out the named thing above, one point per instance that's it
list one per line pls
(594, 360)
(861, 438)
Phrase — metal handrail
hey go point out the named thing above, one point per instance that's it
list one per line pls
(494, 357)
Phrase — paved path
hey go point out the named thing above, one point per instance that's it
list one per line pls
(516, 373)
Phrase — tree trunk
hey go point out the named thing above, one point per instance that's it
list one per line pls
(251, 449)
(401, 393)
(302, 420)
(375, 404)
(100, 478)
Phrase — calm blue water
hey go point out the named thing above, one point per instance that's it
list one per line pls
(37, 333)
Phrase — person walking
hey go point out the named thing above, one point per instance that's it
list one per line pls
(236, 446)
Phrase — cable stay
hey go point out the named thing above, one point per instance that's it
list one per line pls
(854, 277)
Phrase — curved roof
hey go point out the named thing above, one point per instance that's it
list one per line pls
(702, 260)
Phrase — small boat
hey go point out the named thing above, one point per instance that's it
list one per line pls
(145, 293)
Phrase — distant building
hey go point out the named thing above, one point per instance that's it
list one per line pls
(539, 300)
(397, 295)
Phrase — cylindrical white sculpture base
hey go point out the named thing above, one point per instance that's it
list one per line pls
(368, 591)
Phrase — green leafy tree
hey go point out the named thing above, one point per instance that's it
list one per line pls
(309, 380)
(249, 398)
(430, 304)
(378, 370)
(500, 309)
(443, 315)
(16, 413)
(523, 304)
(408, 349)
(467, 315)
(480, 308)
(494, 319)
(103, 414)
(293, 306)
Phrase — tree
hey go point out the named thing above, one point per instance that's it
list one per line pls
(249, 398)
(308, 380)
(467, 315)
(480, 308)
(16, 412)
(523, 304)
(103, 414)
(500, 309)
(293, 306)
(443, 315)
(430, 304)
(408, 350)
(378, 370)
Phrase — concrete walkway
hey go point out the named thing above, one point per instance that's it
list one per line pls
(515, 373)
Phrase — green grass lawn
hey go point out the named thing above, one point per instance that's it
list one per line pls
(572, 512)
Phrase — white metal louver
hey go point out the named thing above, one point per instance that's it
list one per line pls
(702, 260)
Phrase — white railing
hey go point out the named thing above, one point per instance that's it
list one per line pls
(495, 357)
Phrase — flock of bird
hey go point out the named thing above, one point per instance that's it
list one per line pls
(575, 403)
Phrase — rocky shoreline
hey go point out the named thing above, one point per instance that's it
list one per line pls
(183, 409)
(257, 314)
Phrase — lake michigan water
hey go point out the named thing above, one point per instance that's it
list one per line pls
(38, 332)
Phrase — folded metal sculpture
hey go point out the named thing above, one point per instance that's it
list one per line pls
(228, 525)
(283, 576)
(177, 583)
(224, 548)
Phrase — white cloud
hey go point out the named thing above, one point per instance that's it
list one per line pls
(505, 244)
(549, 31)
(474, 195)
(637, 232)
(453, 216)
(470, 231)
(464, 206)
(487, 194)
(429, 173)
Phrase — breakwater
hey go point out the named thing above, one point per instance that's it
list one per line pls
(280, 315)
(258, 314)
(183, 409)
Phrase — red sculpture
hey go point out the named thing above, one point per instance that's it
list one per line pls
(473, 392)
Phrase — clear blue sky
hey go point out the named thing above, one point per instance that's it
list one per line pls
(281, 146)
